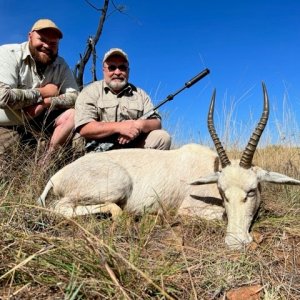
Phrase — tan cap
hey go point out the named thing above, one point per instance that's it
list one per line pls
(46, 23)
(115, 51)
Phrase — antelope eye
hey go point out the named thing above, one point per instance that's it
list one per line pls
(251, 193)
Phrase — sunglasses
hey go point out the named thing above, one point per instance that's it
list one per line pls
(122, 68)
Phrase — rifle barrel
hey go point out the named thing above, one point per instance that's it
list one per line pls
(186, 85)
(197, 78)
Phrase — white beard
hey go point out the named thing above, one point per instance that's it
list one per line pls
(117, 85)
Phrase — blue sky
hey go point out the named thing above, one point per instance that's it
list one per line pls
(168, 42)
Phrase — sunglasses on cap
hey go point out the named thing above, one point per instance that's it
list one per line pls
(122, 68)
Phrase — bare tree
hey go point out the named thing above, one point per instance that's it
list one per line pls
(92, 42)
(91, 48)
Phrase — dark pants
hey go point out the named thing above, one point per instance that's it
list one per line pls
(156, 139)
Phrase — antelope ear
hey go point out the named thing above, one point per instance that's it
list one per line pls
(273, 177)
(212, 178)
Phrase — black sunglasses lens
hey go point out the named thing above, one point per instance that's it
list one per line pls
(111, 68)
(122, 68)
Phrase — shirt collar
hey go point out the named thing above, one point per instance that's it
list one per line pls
(127, 90)
(26, 51)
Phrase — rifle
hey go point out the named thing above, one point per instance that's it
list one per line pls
(101, 147)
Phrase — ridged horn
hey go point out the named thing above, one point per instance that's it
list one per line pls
(247, 156)
(211, 128)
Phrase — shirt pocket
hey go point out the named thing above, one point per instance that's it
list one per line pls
(131, 110)
(108, 111)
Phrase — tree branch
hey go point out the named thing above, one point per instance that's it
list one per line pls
(90, 48)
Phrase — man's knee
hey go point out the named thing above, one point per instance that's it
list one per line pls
(67, 117)
(158, 139)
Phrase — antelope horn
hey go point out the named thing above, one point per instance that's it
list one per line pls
(249, 151)
(211, 128)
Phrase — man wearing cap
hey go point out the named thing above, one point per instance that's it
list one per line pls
(107, 111)
(37, 90)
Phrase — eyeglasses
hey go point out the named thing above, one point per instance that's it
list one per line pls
(122, 68)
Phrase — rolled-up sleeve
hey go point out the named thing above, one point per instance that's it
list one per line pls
(86, 106)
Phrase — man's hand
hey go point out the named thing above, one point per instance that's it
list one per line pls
(49, 90)
(129, 130)
(126, 130)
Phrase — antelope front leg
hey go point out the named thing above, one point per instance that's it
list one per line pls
(66, 208)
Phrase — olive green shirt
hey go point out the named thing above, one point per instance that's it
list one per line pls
(96, 102)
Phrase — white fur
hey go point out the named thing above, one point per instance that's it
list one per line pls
(137, 180)
(240, 190)
(148, 180)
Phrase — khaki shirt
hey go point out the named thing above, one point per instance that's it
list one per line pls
(96, 102)
(19, 79)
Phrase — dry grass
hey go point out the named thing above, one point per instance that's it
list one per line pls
(45, 256)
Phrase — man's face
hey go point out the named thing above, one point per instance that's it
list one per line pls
(116, 72)
(43, 45)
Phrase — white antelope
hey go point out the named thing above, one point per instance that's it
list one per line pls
(147, 180)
